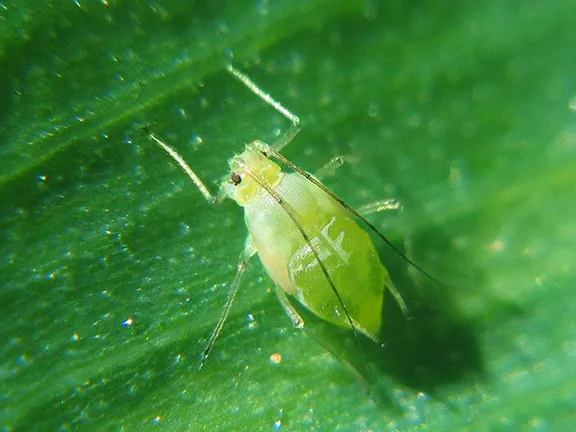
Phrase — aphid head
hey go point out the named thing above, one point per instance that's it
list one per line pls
(248, 171)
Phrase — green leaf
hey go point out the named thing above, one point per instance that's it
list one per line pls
(114, 269)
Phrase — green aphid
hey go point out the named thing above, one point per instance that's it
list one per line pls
(306, 237)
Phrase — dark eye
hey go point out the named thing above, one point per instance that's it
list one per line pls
(236, 179)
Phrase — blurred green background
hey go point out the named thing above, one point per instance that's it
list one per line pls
(114, 269)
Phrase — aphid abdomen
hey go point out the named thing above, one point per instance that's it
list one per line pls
(344, 248)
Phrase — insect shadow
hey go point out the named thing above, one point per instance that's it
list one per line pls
(438, 345)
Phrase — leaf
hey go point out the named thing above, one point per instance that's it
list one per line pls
(115, 269)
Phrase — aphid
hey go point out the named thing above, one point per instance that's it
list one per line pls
(306, 237)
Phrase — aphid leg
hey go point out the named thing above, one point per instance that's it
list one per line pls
(284, 140)
(253, 87)
(295, 317)
(396, 294)
(378, 206)
(213, 199)
(375, 207)
(248, 252)
(298, 322)
(329, 169)
(412, 271)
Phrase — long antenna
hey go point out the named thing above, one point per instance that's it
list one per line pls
(253, 87)
(187, 169)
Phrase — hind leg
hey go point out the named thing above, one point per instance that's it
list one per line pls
(394, 204)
